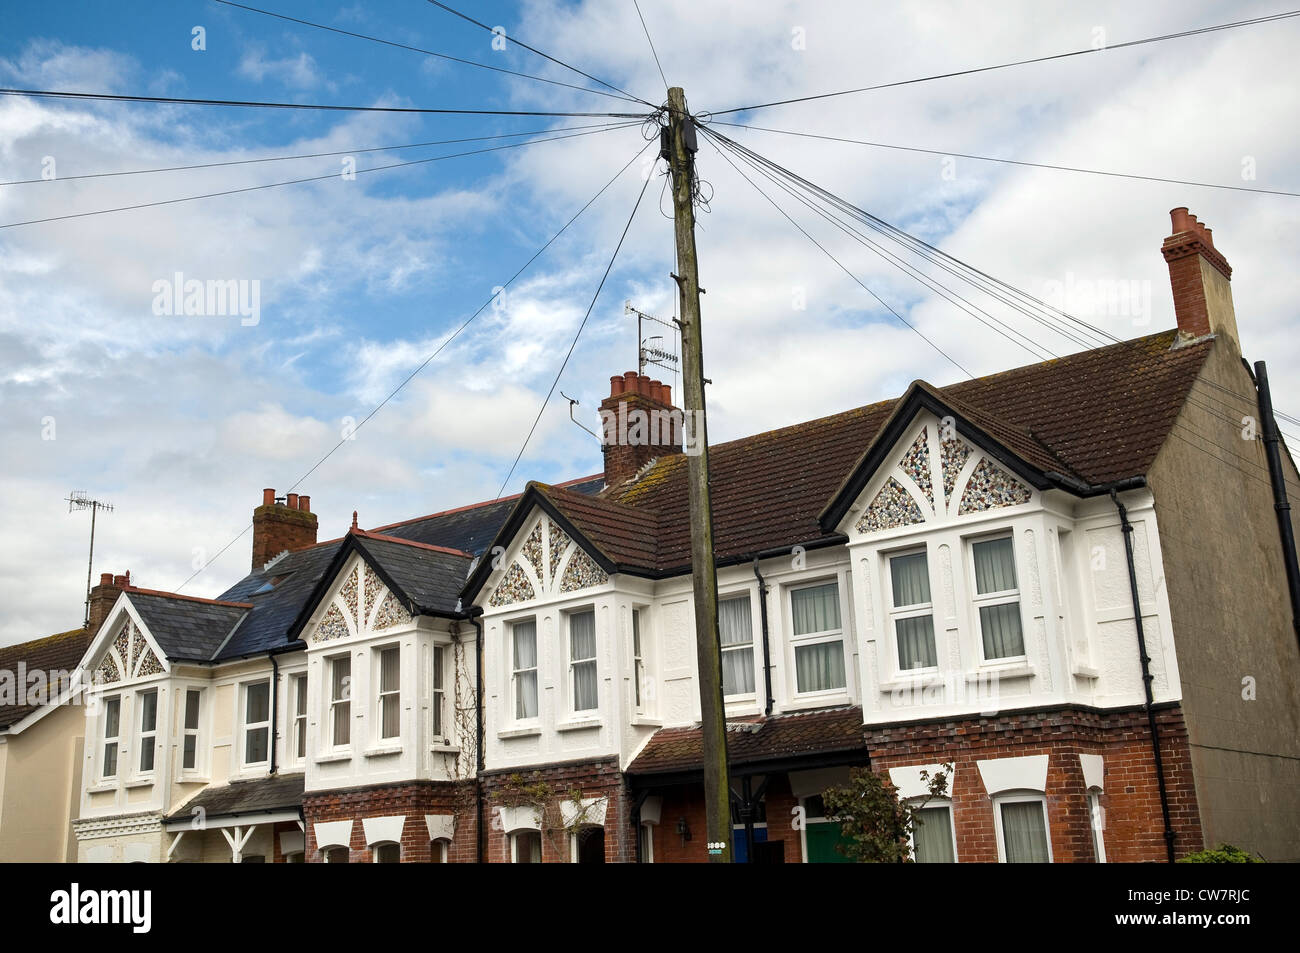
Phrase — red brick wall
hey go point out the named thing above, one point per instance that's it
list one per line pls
(1131, 801)
(413, 800)
(276, 528)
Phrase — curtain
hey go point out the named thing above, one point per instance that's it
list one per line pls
(1024, 832)
(112, 712)
(932, 836)
(916, 642)
(582, 652)
(995, 566)
(637, 661)
(819, 667)
(437, 690)
(736, 631)
(1001, 627)
(816, 609)
(390, 680)
(341, 683)
(910, 576)
(525, 649)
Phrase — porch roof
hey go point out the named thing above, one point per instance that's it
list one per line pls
(277, 794)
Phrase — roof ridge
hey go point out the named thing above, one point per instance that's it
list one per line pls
(44, 640)
(475, 506)
(371, 534)
(177, 595)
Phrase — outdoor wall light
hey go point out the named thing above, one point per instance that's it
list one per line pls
(684, 830)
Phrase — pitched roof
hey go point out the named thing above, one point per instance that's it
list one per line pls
(430, 576)
(279, 792)
(276, 608)
(53, 653)
(186, 628)
(780, 737)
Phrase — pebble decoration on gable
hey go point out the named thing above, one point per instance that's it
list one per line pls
(514, 587)
(989, 487)
(123, 641)
(892, 507)
(137, 646)
(333, 625)
(107, 671)
(916, 464)
(374, 586)
(149, 665)
(559, 544)
(391, 613)
(532, 551)
(581, 573)
(349, 593)
(954, 453)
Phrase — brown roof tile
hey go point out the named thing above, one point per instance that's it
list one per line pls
(54, 653)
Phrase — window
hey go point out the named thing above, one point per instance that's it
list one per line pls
(526, 847)
(300, 717)
(190, 744)
(1022, 830)
(294, 857)
(932, 835)
(439, 695)
(388, 854)
(112, 723)
(912, 611)
(257, 722)
(822, 837)
(646, 842)
(736, 633)
(390, 692)
(638, 660)
(524, 638)
(582, 659)
(1097, 821)
(438, 851)
(818, 638)
(587, 846)
(148, 729)
(341, 701)
(337, 855)
(997, 598)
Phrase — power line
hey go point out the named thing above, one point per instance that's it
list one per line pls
(1037, 59)
(1019, 162)
(438, 350)
(253, 104)
(312, 155)
(653, 51)
(416, 49)
(574, 343)
(545, 56)
(311, 178)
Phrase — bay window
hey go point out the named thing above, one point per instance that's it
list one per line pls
(190, 742)
(148, 735)
(257, 722)
(526, 847)
(818, 638)
(112, 728)
(582, 659)
(340, 701)
(912, 611)
(389, 695)
(736, 633)
(523, 637)
(1021, 822)
(997, 598)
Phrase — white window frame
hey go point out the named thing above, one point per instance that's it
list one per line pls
(914, 611)
(931, 804)
(298, 736)
(326, 851)
(576, 835)
(143, 737)
(331, 702)
(1097, 824)
(1020, 797)
(638, 662)
(246, 726)
(440, 851)
(106, 739)
(439, 728)
(839, 635)
(379, 695)
(375, 848)
(753, 655)
(513, 699)
(573, 663)
(514, 843)
(988, 599)
(647, 831)
(196, 732)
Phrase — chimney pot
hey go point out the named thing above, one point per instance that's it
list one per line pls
(268, 496)
(120, 582)
(1202, 295)
(1179, 217)
(105, 578)
(616, 385)
(630, 382)
(657, 390)
(668, 395)
(304, 503)
(292, 501)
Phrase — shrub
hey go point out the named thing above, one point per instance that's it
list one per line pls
(1223, 854)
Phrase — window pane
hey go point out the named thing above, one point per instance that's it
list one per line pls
(735, 624)
(191, 752)
(392, 716)
(582, 635)
(584, 686)
(816, 609)
(110, 759)
(1001, 628)
(995, 566)
(525, 644)
(637, 661)
(112, 711)
(146, 754)
(819, 667)
(255, 745)
(192, 710)
(528, 847)
(1024, 833)
(300, 696)
(916, 642)
(738, 671)
(149, 711)
(257, 705)
(337, 855)
(910, 576)
(390, 671)
(388, 854)
(340, 679)
(437, 691)
(300, 737)
(932, 834)
(342, 714)
(526, 694)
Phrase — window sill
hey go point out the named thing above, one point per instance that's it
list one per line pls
(139, 783)
(334, 757)
(645, 721)
(921, 678)
(190, 777)
(380, 751)
(578, 724)
(527, 732)
(829, 700)
(1086, 671)
(1017, 669)
(444, 749)
(103, 787)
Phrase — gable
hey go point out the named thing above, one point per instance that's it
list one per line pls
(358, 604)
(128, 652)
(546, 562)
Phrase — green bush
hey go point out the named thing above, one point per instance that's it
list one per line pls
(1223, 854)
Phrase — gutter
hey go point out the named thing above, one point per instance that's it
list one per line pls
(1282, 506)
(767, 652)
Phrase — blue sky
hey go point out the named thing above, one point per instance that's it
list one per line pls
(181, 421)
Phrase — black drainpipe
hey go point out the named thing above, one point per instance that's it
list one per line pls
(478, 741)
(767, 659)
(275, 697)
(1280, 503)
(1147, 677)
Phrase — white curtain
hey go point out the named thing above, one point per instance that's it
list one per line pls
(816, 609)
(1024, 832)
(819, 667)
(340, 685)
(995, 566)
(916, 642)
(525, 654)
(390, 680)
(582, 653)
(910, 576)
(1003, 637)
(257, 708)
(438, 691)
(932, 835)
(736, 631)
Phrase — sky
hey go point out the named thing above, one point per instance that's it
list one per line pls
(180, 420)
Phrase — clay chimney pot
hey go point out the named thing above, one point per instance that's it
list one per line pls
(268, 496)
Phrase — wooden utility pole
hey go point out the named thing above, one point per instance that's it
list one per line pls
(680, 146)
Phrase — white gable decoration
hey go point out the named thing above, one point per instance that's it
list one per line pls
(361, 604)
(548, 562)
(128, 656)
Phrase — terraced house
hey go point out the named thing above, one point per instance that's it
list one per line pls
(1063, 584)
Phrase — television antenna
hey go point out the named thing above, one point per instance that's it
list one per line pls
(651, 350)
(79, 500)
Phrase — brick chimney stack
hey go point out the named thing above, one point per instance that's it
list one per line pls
(104, 595)
(639, 423)
(281, 523)
(1201, 280)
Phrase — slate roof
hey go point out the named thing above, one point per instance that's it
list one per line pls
(429, 575)
(275, 611)
(54, 653)
(186, 628)
(280, 792)
(780, 737)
